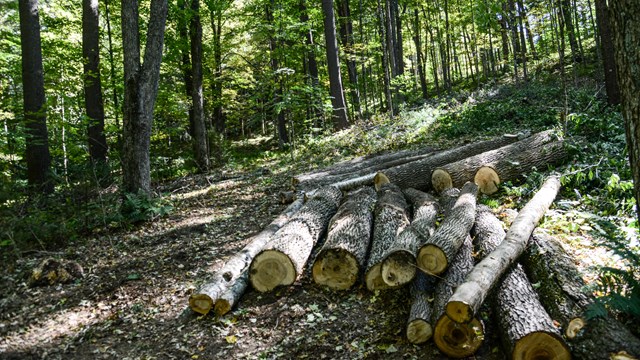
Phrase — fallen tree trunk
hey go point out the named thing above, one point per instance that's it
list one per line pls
(468, 297)
(419, 325)
(284, 256)
(509, 162)
(227, 300)
(439, 250)
(344, 252)
(399, 260)
(203, 299)
(562, 292)
(391, 216)
(454, 339)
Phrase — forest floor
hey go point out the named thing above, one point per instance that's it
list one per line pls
(132, 301)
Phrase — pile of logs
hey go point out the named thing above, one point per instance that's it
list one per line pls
(382, 227)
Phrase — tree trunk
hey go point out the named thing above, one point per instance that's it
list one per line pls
(338, 263)
(219, 120)
(346, 41)
(94, 106)
(281, 125)
(562, 292)
(453, 339)
(437, 253)
(608, 54)
(507, 163)
(202, 300)
(565, 10)
(468, 297)
(187, 73)
(385, 60)
(419, 54)
(285, 255)
(225, 302)
(35, 114)
(201, 148)
(391, 216)
(419, 326)
(141, 88)
(625, 21)
(340, 118)
(112, 72)
(312, 64)
(399, 260)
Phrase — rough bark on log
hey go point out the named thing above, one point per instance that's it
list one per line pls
(391, 216)
(487, 272)
(419, 325)
(344, 252)
(507, 163)
(399, 260)
(528, 331)
(203, 300)
(562, 292)
(435, 255)
(227, 300)
(454, 339)
(284, 256)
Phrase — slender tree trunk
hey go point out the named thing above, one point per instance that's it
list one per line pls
(527, 26)
(200, 146)
(419, 54)
(281, 125)
(565, 12)
(216, 25)
(112, 68)
(92, 85)
(625, 23)
(35, 116)
(340, 117)
(608, 55)
(141, 89)
(523, 43)
(312, 64)
(346, 41)
(385, 61)
(187, 74)
(398, 41)
(504, 34)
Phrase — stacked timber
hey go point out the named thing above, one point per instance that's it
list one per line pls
(343, 254)
(282, 259)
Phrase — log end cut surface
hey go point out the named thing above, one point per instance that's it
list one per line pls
(335, 268)
(487, 180)
(398, 268)
(458, 340)
(459, 312)
(222, 307)
(541, 346)
(200, 303)
(419, 331)
(271, 268)
(373, 278)
(432, 260)
(441, 180)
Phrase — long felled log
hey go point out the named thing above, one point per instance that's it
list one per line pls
(562, 292)
(468, 297)
(391, 216)
(284, 256)
(419, 325)
(437, 252)
(454, 339)
(527, 329)
(399, 260)
(509, 162)
(344, 252)
(203, 299)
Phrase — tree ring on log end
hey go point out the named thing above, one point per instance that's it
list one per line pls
(419, 331)
(441, 180)
(335, 268)
(271, 268)
(398, 268)
(432, 260)
(222, 307)
(487, 180)
(574, 327)
(200, 303)
(458, 340)
(379, 180)
(373, 278)
(541, 346)
(459, 311)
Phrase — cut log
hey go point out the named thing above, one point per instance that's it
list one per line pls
(454, 339)
(419, 325)
(391, 216)
(399, 261)
(284, 256)
(471, 294)
(527, 330)
(287, 197)
(344, 252)
(203, 299)
(228, 299)
(435, 255)
(507, 163)
(562, 292)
